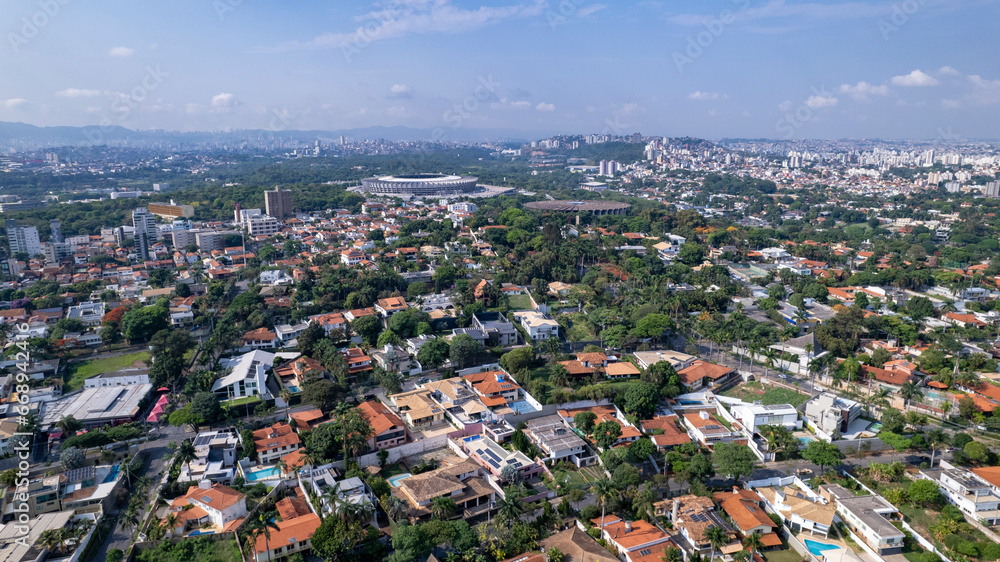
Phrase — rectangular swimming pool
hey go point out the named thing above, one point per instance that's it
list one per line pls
(263, 474)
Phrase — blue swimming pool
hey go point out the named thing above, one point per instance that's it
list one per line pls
(522, 407)
(818, 548)
(200, 532)
(262, 474)
(689, 402)
(113, 474)
(294, 389)
(805, 440)
(394, 481)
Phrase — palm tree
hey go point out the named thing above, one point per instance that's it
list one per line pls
(286, 397)
(332, 498)
(186, 454)
(49, 539)
(442, 507)
(643, 501)
(717, 537)
(754, 542)
(604, 490)
(672, 554)
(909, 391)
(769, 356)
(262, 526)
(281, 466)
(170, 521)
(394, 507)
(69, 425)
(130, 517)
(936, 438)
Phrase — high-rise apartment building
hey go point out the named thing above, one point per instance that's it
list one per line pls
(278, 203)
(145, 231)
(23, 239)
(57, 236)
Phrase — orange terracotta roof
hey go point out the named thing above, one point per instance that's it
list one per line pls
(702, 369)
(291, 531)
(381, 418)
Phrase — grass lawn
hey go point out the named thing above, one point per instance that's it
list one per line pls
(76, 373)
(519, 302)
(786, 554)
(576, 479)
(243, 401)
(201, 549)
(579, 330)
(752, 391)
(392, 470)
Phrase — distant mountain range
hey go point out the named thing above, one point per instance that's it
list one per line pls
(23, 132)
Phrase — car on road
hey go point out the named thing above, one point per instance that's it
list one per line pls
(423, 380)
(782, 376)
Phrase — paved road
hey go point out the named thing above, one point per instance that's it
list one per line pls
(154, 467)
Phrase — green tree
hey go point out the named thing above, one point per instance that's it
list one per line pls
(71, 458)
(433, 353)
(735, 461)
(464, 350)
(584, 421)
(642, 399)
(717, 537)
(822, 453)
(206, 408)
(322, 393)
(185, 454)
(139, 324)
(924, 492)
(368, 327)
(607, 433)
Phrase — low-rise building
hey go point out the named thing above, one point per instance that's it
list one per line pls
(247, 376)
(275, 442)
(706, 430)
(417, 408)
(634, 541)
(538, 326)
(215, 505)
(215, 458)
(968, 491)
(832, 413)
(557, 441)
(701, 374)
(460, 480)
(800, 511)
(755, 416)
(387, 429)
(495, 458)
(869, 517)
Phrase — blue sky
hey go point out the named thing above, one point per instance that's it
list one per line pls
(710, 68)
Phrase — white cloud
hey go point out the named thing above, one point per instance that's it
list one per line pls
(785, 105)
(984, 92)
(409, 17)
(862, 90)
(704, 96)
(949, 71)
(14, 103)
(223, 102)
(121, 52)
(780, 9)
(192, 108)
(820, 102)
(915, 79)
(591, 9)
(521, 104)
(545, 107)
(951, 104)
(400, 91)
(78, 93)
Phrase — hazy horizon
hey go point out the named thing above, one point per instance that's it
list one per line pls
(828, 69)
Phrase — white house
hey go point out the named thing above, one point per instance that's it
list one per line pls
(248, 376)
(539, 326)
(755, 416)
(214, 504)
(968, 491)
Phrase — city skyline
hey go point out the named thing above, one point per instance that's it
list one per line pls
(728, 69)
